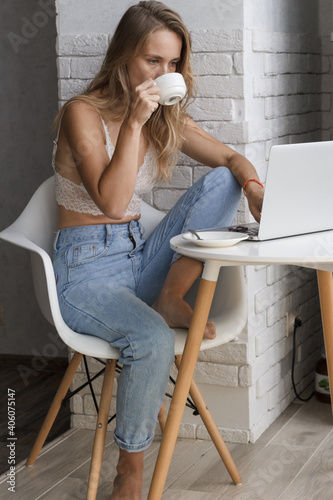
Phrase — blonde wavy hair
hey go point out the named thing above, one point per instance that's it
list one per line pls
(110, 89)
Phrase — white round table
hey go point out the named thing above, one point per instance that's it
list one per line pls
(313, 251)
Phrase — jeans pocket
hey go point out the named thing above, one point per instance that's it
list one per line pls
(85, 253)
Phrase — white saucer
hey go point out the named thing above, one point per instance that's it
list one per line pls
(215, 238)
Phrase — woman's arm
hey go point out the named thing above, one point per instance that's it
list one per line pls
(110, 184)
(207, 150)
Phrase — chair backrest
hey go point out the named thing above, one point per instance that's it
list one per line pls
(35, 230)
(38, 221)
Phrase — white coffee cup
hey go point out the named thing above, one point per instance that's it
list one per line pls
(172, 88)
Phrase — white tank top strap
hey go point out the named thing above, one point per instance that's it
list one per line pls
(109, 145)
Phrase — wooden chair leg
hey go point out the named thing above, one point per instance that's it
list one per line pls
(325, 286)
(212, 429)
(162, 416)
(55, 407)
(102, 422)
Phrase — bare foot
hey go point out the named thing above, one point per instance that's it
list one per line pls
(128, 482)
(127, 487)
(178, 314)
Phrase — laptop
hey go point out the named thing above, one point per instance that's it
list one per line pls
(298, 194)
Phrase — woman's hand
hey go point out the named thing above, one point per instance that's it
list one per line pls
(145, 102)
(255, 195)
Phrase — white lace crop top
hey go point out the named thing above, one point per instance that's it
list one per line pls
(75, 197)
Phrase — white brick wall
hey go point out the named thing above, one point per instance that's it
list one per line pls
(289, 83)
(256, 89)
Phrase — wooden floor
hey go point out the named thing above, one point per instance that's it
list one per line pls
(34, 391)
(292, 460)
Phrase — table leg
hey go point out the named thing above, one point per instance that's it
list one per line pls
(325, 285)
(182, 387)
(212, 429)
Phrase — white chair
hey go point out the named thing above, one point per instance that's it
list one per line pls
(34, 230)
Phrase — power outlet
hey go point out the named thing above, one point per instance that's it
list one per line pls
(290, 321)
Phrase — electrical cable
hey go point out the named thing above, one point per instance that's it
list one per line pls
(297, 323)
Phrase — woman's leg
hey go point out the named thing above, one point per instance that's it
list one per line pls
(96, 274)
(146, 345)
(212, 201)
(129, 479)
(170, 303)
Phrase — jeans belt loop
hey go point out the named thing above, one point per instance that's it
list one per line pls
(56, 240)
(108, 229)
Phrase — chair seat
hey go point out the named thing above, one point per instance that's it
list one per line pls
(99, 348)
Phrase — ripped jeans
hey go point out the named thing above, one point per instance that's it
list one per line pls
(109, 275)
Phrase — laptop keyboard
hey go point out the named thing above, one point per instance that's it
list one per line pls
(251, 231)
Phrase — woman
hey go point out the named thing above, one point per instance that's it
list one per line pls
(114, 142)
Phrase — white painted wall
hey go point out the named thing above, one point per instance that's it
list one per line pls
(283, 16)
(102, 16)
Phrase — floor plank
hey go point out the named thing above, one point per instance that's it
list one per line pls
(187, 453)
(279, 423)
(315, 480)
(209, 473)
(33, 396)
(108, 470)
(189, 495)
(52, 466)
(293, 460)
(309, 427)
(267, 474)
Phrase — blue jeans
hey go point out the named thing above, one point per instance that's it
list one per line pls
(107, 278)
